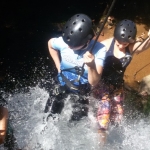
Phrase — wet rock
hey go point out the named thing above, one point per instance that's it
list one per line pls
(144, 88)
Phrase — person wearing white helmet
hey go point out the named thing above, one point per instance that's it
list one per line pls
(118, 56)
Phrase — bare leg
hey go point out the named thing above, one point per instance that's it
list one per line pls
(103, 137)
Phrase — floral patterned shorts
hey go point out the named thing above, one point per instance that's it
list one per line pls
(110, 109)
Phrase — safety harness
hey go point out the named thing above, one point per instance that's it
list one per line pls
(70, 84)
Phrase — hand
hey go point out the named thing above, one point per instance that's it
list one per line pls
(89, 59)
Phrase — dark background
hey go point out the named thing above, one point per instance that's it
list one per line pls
(26, 27)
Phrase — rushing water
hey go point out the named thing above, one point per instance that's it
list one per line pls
(33, 131)
(28, 84)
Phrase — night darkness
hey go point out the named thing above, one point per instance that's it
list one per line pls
(26, 27)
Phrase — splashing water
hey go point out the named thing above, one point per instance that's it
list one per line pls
(133, 135)
(32, 131)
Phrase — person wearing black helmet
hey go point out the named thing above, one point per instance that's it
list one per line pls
(118, 56)
(71, 50)
(74, 46)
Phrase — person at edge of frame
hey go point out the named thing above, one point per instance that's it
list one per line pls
(110, 90)
(3, 120)
(69, 52)
(7, 138)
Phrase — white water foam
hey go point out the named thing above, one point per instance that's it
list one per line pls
(33, 132)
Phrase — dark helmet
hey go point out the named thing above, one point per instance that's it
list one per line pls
(78, 30)
(125, 31)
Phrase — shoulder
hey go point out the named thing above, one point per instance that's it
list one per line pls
(99, 49)
(97, 46)
(107, 42)
(56, 40)
(58, 43)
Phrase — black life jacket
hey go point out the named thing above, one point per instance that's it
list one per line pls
(114, 68)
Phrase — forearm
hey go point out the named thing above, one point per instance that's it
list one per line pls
(93, 75)
(55, 56)
(144, 46)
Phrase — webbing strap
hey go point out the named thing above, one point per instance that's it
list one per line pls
(79, 70)
(69, 83)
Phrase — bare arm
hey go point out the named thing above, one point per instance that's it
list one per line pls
(55, 55)
(94, 71)
(94, 74)
(145, 45)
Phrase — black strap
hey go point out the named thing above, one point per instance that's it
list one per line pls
(101, 28)
(80, 71)
(105, 20)
(69, 83)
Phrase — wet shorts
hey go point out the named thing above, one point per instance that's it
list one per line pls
(110, 105)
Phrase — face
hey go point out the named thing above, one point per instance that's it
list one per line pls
(121, 45)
